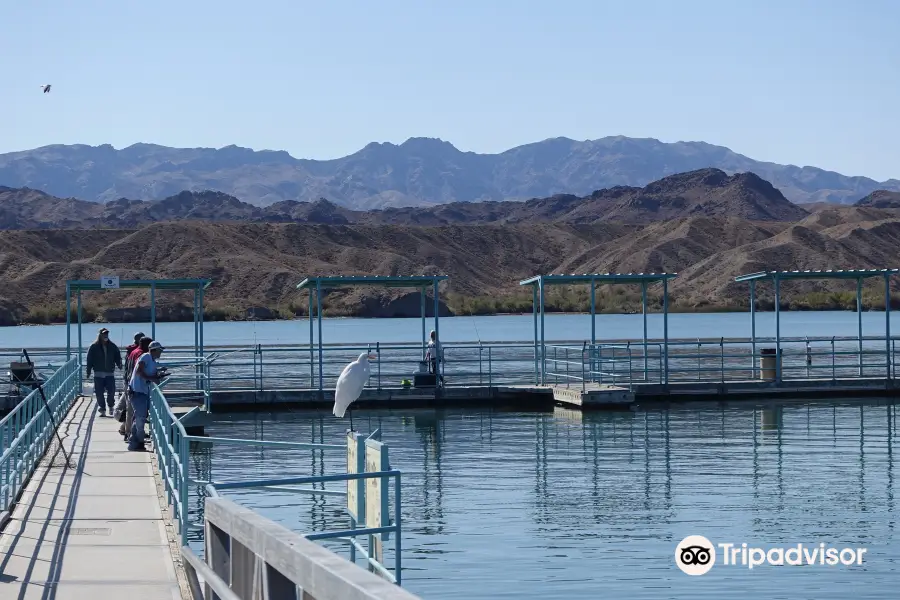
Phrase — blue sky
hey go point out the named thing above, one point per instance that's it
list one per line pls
(797, 81)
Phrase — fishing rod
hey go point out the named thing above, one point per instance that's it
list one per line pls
(40, 388)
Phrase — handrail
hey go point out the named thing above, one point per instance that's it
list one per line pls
(210, 578)
(348, 535)
(171, 444)
(27, 430)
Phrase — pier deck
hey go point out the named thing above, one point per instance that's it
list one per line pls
(91, 532)
(591, 395)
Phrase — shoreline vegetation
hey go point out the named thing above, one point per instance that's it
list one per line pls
(556, 302)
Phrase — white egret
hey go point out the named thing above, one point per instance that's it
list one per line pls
(351, 383)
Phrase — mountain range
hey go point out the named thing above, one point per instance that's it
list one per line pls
(705, 225)
(708, 192)
(418, 172)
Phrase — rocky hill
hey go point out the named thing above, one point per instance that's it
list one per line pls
(705, 225)
(256, 266)
(880, 199)
(420, 171)
(706, 192)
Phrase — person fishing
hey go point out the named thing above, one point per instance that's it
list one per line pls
(128, 417)
(146, 371)
(434, 353)
(103, 357)
(126, 376)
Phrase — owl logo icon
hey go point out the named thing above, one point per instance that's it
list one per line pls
(695, 555)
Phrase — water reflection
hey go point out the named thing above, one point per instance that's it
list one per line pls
(573, 505)
(428, 427)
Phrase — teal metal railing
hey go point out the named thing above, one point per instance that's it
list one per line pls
(172, 446)
(26, 432)
(347, 535)
(621, 362)
(719, 360)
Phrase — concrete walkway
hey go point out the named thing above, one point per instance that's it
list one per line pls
(92, 533)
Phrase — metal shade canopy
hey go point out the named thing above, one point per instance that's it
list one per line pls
(315, 285)
(539, 282)
(107, 283)
(846, 274)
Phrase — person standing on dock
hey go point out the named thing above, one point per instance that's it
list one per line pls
(126, 375)
(103, 357)
(146, 370)
(130, 360)
(128, 350)
(434, 354)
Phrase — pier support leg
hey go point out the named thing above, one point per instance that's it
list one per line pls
(198, 369)
(534, 310)
(644, 315)
(777, 329)
(312, 360)
(319, 319)
(543, 342)
(80, 358)
(153, 310)
(422, 311)
(593, 328)
(666, 331)
(68, 321)
(752, 329)
(888, 361)
(439, 366)
(859, 324)
(201, 315)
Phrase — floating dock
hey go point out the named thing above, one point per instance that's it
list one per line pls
(541, 397)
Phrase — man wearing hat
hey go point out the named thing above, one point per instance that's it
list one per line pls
(126, 375)
(129, 367)
(146, 371)
(102, 359)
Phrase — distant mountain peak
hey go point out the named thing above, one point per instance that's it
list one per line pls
(426, 142)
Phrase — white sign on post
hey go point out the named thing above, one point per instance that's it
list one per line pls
(109, 282)
(377, 514)
(356, 463)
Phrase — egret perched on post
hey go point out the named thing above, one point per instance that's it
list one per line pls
(351, 383)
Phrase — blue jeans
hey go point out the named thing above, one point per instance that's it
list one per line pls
(107, 384)
(141, 406)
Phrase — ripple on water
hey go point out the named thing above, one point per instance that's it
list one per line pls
(513, 504)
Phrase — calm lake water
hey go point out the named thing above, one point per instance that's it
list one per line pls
(465, 329)
(565, 505)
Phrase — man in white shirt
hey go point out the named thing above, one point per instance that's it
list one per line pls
(434, 354)
(146, 371)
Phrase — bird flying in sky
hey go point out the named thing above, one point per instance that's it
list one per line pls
(46, 87)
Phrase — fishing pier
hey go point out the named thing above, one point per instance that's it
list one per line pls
(588, 373)
(583, 374)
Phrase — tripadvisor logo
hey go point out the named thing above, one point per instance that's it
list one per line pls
(696, 555)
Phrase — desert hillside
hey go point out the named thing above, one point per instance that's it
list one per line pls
(705, 225)
(256, 266)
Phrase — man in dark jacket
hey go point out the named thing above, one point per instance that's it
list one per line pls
(102, 358)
